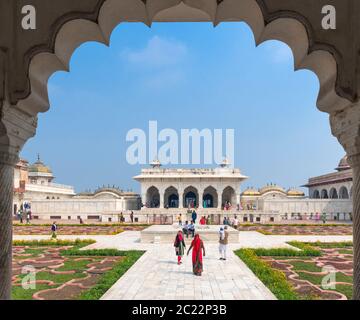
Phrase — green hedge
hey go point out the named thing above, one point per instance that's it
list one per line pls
(342, 244)
(93, 252)
(109, 278)
(287, 252)
(275, 280)
(57, 242)
(84, 225)
(321, 224)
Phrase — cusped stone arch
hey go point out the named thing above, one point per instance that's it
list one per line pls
(152, 197)
(316, 194)
(333, 194)
(228, 197)
(289, 27)
(343, 193)
(171, 197)
(210, 197)
(324, 194)
(190, 197)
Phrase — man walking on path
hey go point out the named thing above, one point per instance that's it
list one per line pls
(223, 242)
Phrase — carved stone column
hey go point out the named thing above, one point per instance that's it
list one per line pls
(200, 200)
(219, 195)
(355, 163)
(162, 194)
(181, 201)
(16, 128)
(7, 162)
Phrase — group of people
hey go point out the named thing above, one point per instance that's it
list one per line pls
(121, 217)
(227, 205)
(24, 213)
(205, 220)
(233, 222)
(189, 229)
(198, 249)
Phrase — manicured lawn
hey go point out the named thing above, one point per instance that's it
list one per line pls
(65, 272)
(298, 274)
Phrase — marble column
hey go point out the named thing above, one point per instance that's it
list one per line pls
(237, 201)
(355, 164)
(161, 193)
(219, 195)
(7, 162)
(201, 195)
(181, 202)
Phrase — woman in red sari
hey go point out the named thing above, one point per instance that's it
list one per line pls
(198, 248)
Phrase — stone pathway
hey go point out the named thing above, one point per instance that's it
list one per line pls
(156, 274)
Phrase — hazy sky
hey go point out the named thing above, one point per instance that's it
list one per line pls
(187, 75)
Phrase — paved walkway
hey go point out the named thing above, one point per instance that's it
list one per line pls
(156, 274)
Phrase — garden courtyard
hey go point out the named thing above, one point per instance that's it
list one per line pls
(92, 262)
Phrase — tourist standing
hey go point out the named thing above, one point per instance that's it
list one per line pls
(235, 222)
(179, 219)
(53, 230)
(19, 216)
(324, 217)
(194, 216)
(208, 220)
(132, 216)
(198, 249)
(223, 242)
(28, 218)
(225, 221)
(179, 245)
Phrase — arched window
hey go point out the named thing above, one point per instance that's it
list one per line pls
(316, 194)
(152, 197)
(324, 194)
(171, 197)
(191, 197)
(343, 193)
(333, 193)
(228, 198)
(210, 197)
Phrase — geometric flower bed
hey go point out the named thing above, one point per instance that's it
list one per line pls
(318, 271)
(34, 229)
(301, 229)
(64, 272)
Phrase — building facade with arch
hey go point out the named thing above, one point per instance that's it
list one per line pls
(203, 188)
(36, 182)
(334, 185)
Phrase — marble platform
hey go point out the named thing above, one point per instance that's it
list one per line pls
(167, 233)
